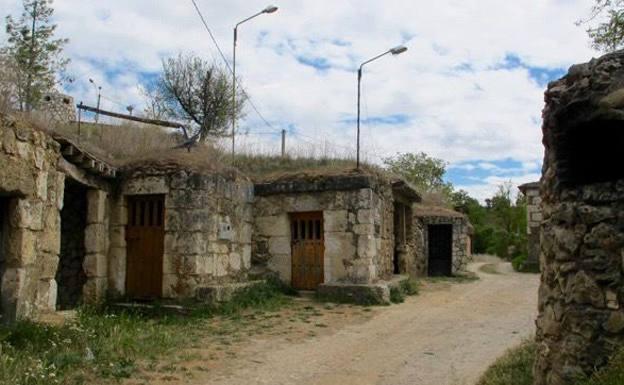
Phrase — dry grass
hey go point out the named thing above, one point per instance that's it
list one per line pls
(131, 145)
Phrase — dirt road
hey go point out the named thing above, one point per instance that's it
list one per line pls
(447, 335)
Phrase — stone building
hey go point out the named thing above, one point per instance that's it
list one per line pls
(328, 230)
(581, 298)
(57, 107)
(75, 229)
(534, 219)
(178, 232)
(444, 241)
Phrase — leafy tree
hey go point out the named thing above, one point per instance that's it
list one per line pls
(34, 53)
(424, 172)
(196, 91)
(608, 34)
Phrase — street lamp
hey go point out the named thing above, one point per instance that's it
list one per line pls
(99, 95)
(394, 51)
(268, 9)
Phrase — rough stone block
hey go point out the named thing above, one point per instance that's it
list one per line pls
(279, 245)
(273, 226)
(22, 248)
(235, 262)
(335, 220)
(96, 206)
(26, 213)
(221, 265)
(41, 185)
(46, 295)
(146, 185)
(96, 239)
(365, 216)
(117, 269)
(366, 246)
(94, 290)
(246, 257)
(376, 294)
(339, 246)
(50, 237)
(13, 290)
(95, 265)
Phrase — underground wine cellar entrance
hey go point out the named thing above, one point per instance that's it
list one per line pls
(70, 275)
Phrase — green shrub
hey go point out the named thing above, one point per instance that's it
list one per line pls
(518, 262)
(396, 295)
(410, 287)
(515, 367)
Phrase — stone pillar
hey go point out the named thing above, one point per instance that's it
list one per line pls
(96, 247)
(117, 249)
(581, 297)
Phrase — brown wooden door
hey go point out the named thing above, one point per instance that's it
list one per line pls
(308, 249)
(145, 238)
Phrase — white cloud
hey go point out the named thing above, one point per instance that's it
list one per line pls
(481, 113)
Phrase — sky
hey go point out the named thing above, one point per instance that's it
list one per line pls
(469, 89)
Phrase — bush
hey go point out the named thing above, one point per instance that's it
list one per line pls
(515, 367)
(396, 295)
(520, 265)
(410, 287)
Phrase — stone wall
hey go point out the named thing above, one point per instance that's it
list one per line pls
(581, 297)
(461, 241)
(208, 224)
(58, 107)
(534, 219)
(358, 232)
(33, 188)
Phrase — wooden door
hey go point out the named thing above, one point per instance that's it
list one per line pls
(145, 238)
(308, 249)
(440, 250)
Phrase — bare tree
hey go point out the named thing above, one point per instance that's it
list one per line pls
(196, 91)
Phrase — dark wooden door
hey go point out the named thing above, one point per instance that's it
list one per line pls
(308, 249)
(145, 238)
(440, 250)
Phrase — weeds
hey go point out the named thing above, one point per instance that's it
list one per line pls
(396, 295)
(515, 367)
(108, 344)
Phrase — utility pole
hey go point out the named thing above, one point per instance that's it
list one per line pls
(97, 115)
(283, 143)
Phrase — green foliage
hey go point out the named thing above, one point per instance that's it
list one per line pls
(396, 295)
(516, 368)
(410, 286)
(608, 34)
(612, 374)
(33, 54)
(513, 368)
(107, 344)
(424, 172)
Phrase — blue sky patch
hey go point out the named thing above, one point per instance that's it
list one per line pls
(541, 75)
(391, 120)
(474, 172)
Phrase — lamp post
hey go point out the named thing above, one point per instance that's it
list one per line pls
(268, 9)
(98, 89)
(394, 51)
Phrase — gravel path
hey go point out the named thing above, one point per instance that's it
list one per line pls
(448, 335)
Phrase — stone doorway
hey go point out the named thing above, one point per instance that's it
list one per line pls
(70, 275)
(440, 250)
(4, 237)
(402, 231)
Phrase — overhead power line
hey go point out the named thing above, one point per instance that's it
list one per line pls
(227, 64)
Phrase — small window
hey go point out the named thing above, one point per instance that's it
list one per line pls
(318, 229)
(66, 100)
(47, 98)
